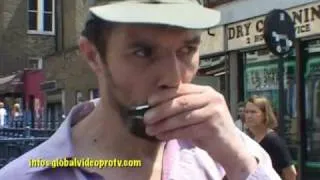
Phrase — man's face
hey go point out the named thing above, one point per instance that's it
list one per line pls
(142, 60)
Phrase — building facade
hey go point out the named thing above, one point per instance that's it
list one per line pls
(27, 33)
(25, 40)
(68, 77)
(42, 35)
(292, 83)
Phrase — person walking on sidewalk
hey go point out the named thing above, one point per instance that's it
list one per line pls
(3, 115)
(261, 121)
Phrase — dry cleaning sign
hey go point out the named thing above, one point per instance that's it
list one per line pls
(250, 33)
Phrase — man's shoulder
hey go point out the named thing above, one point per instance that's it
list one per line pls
(19, 168)
(54, 147)
(33, 164)
(58, 146)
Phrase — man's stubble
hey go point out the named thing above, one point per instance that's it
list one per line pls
(135, 125)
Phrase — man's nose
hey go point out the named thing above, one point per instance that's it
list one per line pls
(170, 74)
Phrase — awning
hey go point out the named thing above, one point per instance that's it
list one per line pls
(11, 84)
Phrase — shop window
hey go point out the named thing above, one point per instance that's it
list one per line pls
(261, 78)
(312, 78)
(41, 16)
(317, 102)
(212, 73)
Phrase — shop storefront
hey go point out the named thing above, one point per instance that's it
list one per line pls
(212, 72)
(260, 76)
(212, 65)
(23, 97)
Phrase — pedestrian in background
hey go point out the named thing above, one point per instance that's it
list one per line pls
(240, 117)
(261, 121)
(16, 111)
(3, 115)
(16, 116)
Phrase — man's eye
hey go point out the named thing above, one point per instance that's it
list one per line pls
(188, 49)
(143, 52)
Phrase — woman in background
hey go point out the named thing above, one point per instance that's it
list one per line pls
(16, 111)
(261, 121)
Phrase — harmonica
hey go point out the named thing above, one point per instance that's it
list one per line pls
(138, 111)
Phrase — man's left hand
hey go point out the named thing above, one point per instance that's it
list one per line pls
(199, 114)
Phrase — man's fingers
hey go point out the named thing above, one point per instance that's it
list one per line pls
(181, 120)
(186, 133)
(165, 95)
(175, 106)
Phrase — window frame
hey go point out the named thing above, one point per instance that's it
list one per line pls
(92, 93)
(40, 19)
(91, 2)
(213, 4)
(39, 65)
(315, 98)
(79, 97)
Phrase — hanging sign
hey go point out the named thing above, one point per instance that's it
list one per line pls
(279, 33)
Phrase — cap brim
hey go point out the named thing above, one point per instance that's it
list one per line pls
(187, 15)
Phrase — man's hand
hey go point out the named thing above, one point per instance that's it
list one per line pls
(200, 114)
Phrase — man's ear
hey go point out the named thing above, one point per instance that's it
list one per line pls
(91, 54)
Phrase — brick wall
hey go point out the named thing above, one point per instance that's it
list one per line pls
(74, 15)
(81, 15)
(72, 74)
(68, 25)
(67, 67)
(16, 45)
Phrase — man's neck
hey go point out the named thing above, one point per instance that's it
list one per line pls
(102, 134)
